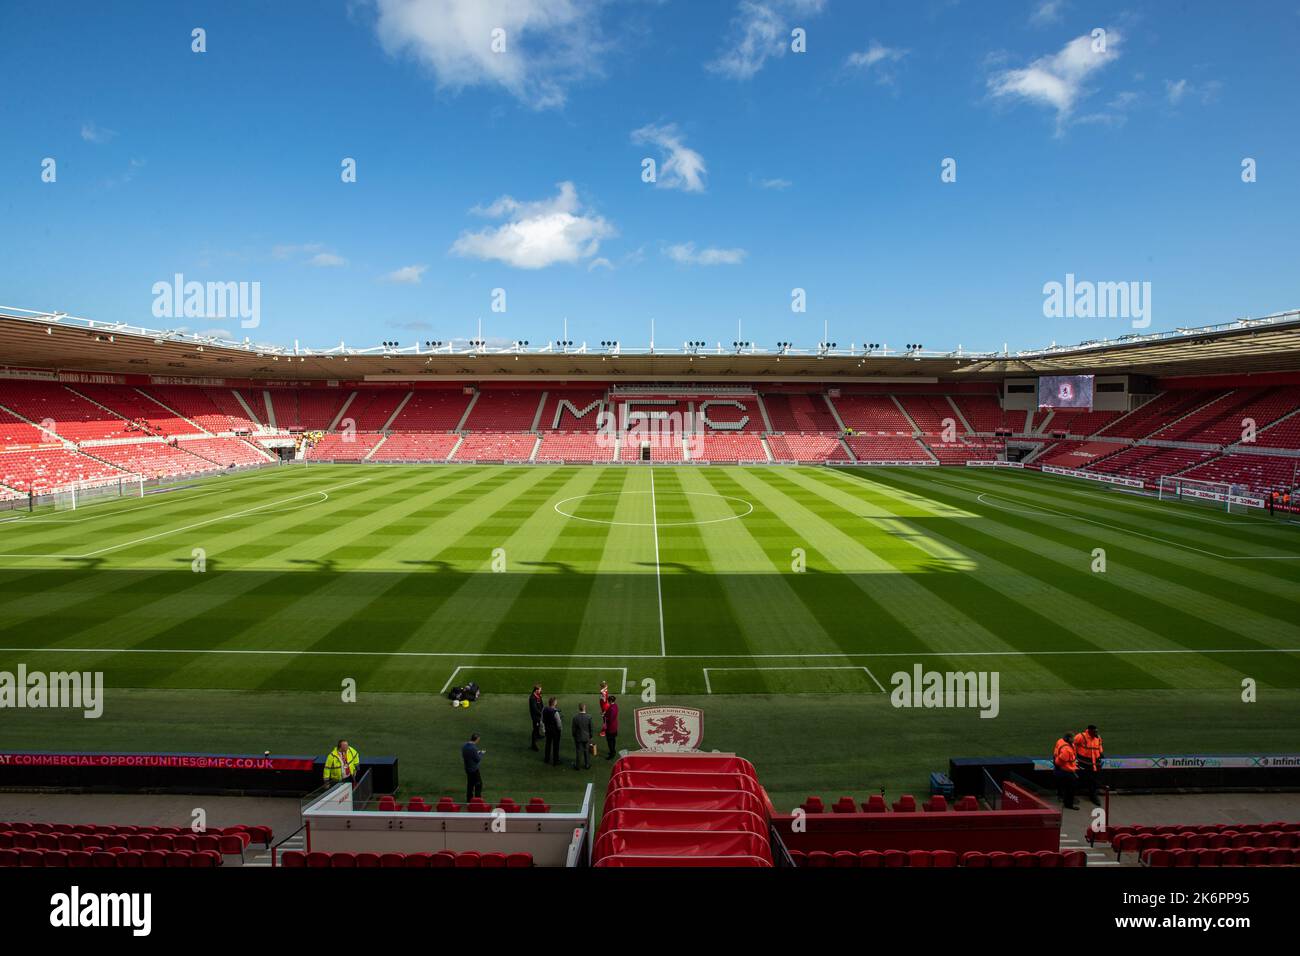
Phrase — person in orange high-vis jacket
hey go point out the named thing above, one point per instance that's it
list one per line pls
(1087, 747)
(1066, 770)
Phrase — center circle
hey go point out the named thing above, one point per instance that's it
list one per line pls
(716, 504)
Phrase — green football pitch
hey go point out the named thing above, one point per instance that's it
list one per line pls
(233, 614)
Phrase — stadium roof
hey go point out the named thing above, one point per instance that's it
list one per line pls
(59, 341)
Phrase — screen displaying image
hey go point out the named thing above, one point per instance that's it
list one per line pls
(1065, 391)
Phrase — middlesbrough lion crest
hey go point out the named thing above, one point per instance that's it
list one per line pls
(669, 729)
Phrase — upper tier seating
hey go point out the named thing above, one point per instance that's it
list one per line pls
(1222, 422)
(373, 407)
(872, 414)
(75, 418)
(431, 410)
(503, 410)
(213, 409)
(799, 412)
(1078, 421)
(132, 405)
(309, 409)
(558, 416)
(15, 431)
(804, 447)
(496, 447)
(415, 446)
(983, 412)
(932, 413)
(578, 447)
(1159, 412)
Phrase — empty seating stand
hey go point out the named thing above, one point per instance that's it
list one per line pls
(28, 844)
(465, 859)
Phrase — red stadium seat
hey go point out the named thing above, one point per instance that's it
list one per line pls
(818, 859)
(367, 861)
(844, 805)
(293, 859)
(519, 860)
(154, 859)
(393, 861)
(343, 860)
(102, 859)
(895, 858)
(8, 857)
(469, 859)
(417, 860)
(875, 804)
(905, 804)
(318, 860)
(999, 860)
(205, 859)
(871, 858)
(975, 858)
(53, 858)
(943, 859)
(1048, 858)
(844, 857)
(494, 860)
(442, 859)
(130, 858)
(178, 859)
(920, 858)
(813, 805)
(936, 804)
(1023, 858)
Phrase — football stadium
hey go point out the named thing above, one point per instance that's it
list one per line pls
(441, 596)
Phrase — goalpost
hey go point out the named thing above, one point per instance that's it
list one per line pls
(1230, 495)
(79, 493)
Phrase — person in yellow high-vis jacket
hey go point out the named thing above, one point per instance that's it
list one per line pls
(341, 764)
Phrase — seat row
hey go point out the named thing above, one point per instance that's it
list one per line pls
(1228, 839)
(255, 833)
(1276, 856)
(938, 859)
(388, 804)
(467, 859)
(232, 844)
(117, 858)
(1139, 829)
(876, 804)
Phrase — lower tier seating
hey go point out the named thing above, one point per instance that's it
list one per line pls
(471, 859)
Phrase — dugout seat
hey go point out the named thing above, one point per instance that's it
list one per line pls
(905, 804)
(875, 804)
(844, 805)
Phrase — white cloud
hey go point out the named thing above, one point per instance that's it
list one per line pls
(537, 234)
(759, 31)
(774, 183)
(1046, 13)
(685, 254)
(1057, 80)
(327, 260)
(407, 275)
(600, 262)
(93, 133)
(680, 167)
(1177, 91)
(878, 59)
(549, 44)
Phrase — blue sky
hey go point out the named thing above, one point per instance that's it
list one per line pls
(522, 170)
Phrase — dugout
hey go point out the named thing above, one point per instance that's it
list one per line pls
(557, 838)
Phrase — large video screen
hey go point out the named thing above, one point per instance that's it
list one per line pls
(1065, 391)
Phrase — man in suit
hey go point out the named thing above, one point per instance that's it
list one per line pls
(582, 738)
(473, 758)
(553, 724)
(535, 708)
(611, 727)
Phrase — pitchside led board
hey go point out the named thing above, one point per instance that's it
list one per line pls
(1065, 391)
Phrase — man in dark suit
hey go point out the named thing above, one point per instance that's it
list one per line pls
(611, 727)
(473, 758)
(582, 738)
(553, 724)
(535, 707)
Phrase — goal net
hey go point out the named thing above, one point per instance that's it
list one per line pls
(1227, 495)
(78, 494)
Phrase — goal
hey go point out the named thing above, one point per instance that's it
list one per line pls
(72, 496)
(1226, 494)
